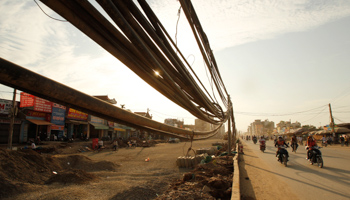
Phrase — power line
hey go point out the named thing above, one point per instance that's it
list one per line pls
(315, 115)
(49, 15)
(277, 114)
(342, 94)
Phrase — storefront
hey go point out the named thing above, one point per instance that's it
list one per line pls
(77, 124)
(38, 116)
(115, 130)
(5, 129)
(5, 110)
(37, 128)
(98, 127)
(57, 118)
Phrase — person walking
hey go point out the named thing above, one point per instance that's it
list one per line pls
(342, 140)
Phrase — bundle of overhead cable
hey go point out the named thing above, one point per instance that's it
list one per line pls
(139, 40)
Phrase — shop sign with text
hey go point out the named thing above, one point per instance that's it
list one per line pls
(5, 106)
(58, 114)
(75, 114)
(39, 104)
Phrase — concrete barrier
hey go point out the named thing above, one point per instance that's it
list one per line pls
(236, 192)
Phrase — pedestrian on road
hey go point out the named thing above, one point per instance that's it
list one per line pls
(115, 144)
(324, 141)
(342, 140)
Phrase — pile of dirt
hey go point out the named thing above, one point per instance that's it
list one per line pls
(22, 170)
(84, 163)
(27, 166)
(207, 181)
(72, 177)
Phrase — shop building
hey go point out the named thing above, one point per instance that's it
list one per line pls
(5, 111)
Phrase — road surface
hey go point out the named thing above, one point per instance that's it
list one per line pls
(304, 180)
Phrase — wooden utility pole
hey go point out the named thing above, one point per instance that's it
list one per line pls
(229, 135)
(12, 120)
(332, 119)
(229, 128)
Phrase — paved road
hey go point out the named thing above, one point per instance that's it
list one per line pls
(309, 181)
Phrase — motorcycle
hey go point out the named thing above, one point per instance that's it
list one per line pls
(282, 155)
(316, 156)
(262, 146)
(255, 140)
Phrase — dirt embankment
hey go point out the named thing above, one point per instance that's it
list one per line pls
(74, 171)
(26, 170)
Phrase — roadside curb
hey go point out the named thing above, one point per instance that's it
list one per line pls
(236, 192)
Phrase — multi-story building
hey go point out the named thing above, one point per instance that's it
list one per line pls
(260, 128)
(200, 125)
(287, 126)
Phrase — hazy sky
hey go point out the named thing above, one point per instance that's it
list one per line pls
(280, 60)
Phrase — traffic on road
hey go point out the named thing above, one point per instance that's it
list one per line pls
(311, 172)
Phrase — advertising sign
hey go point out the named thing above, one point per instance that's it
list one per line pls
(36, 114)
(27, 100)
(75, 114)
(5, 106)
(58, 113)
(96, 120)
(57, 128)
(42, 105)
(39, 104)
(110, 124)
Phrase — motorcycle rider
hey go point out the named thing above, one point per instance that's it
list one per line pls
(293, 142)
(310, 143)
(254, 139)
(280, 142)
(262, 141)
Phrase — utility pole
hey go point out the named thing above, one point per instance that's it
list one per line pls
(12, 120)
(229, 134)
(332, 119)
(229, 127)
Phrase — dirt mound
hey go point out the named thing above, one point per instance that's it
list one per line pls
(72, 177)
(136, 193)
(22, 170)
(27, 166)
(85, 163)
(207, 181)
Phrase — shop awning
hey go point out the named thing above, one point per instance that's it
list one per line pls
(76, 122)
(39, 122)
(119, 129)
(100, 126)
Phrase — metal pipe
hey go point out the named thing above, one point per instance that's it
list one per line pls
(25, 80)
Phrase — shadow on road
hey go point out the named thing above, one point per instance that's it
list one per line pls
(246, 188)
(340, 179)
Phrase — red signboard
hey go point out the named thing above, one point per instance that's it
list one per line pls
(36, 114)
(27, 100)
(39, 104)
(57, 127)
(42, 105)
(75, 114)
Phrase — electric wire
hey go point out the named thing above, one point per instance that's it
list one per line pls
(143, 45)
(49, 15)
